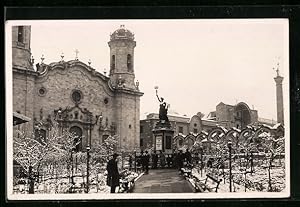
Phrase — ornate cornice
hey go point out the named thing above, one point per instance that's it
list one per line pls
(63, 68)
(23, 70)
(129, 91)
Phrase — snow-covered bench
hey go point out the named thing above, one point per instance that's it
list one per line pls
(127, 184)
(186, 172)
(201, 187)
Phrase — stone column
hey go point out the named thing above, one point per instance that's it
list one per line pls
(279, 98)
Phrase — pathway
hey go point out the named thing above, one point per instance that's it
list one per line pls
(162, 181)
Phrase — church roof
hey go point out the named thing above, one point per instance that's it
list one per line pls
(44, 68)
(122, 33)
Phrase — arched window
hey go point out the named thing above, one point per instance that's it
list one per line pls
(180, 142)
(76, 133)
(21, 34)
(129, 62)
(113, 62)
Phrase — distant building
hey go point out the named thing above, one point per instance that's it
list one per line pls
(228, 116)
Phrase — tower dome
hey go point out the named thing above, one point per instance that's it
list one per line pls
(121, 34)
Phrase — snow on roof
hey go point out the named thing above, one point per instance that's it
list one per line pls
(206, 140)
(276, 126)
(264, 134)
(249, 127)
(194, 134)
(236, 129)
(172, 117)
(19, 118)
(204, 132)
(267, 126)
(223, 128)
(209, 122)
(181, 135)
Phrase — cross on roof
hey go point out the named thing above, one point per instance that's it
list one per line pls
(76, 52)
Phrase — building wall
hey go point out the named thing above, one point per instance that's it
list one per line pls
(127, 109)
(119, 107)
(184, 125)
(146, 135)
(225, 116)
(195, 125)
(21, 50)
(24, 95)
(120, 49)
(59, 85)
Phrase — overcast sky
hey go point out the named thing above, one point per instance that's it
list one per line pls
(195, 63)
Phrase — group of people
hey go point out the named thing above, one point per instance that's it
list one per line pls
(175, 160)
(158, 159)
(145, 159)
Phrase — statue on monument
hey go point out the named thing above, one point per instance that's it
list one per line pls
(163, 108)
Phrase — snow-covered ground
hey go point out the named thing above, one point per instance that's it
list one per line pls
(62, 184)
(258, 181)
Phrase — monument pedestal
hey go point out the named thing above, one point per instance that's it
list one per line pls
(163, 137)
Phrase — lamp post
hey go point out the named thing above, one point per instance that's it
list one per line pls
(122, 157)
(72, 170)
(229, 144)
(87, 167)
(251, 162)
(201, 159)
(134, 160)
(88, 146)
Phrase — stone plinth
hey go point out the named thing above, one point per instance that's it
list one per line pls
(163, 137)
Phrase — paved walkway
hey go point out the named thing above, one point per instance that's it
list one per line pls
(162, 181)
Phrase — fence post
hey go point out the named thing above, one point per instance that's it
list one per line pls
(230, 174)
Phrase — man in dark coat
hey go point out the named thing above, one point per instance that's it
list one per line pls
(143, 160)
(154, 160)
(188, 157)
(146, 161)
(113, 175)
(180, 158)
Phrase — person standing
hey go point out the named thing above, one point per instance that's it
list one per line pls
(188, 157)
(146, 160)
(130, 162)
(155, 160)
(113, 175)
(162, 160)
(143, 161)
(169, 160)
(180, 158)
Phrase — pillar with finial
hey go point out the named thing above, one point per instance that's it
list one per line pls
(76, 56)
(32, 60)
(137, 84)
(62, 56)
(42, 59)
(279, 96)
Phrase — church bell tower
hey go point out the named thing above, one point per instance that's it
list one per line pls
(127, 94)
(21, 47)
(122, 46)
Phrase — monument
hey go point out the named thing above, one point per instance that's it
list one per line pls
(163, 132)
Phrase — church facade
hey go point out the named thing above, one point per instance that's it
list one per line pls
(75, 95)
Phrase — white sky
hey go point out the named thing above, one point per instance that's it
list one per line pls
(195, 63)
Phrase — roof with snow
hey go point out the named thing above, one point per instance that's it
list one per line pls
(19, 118)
